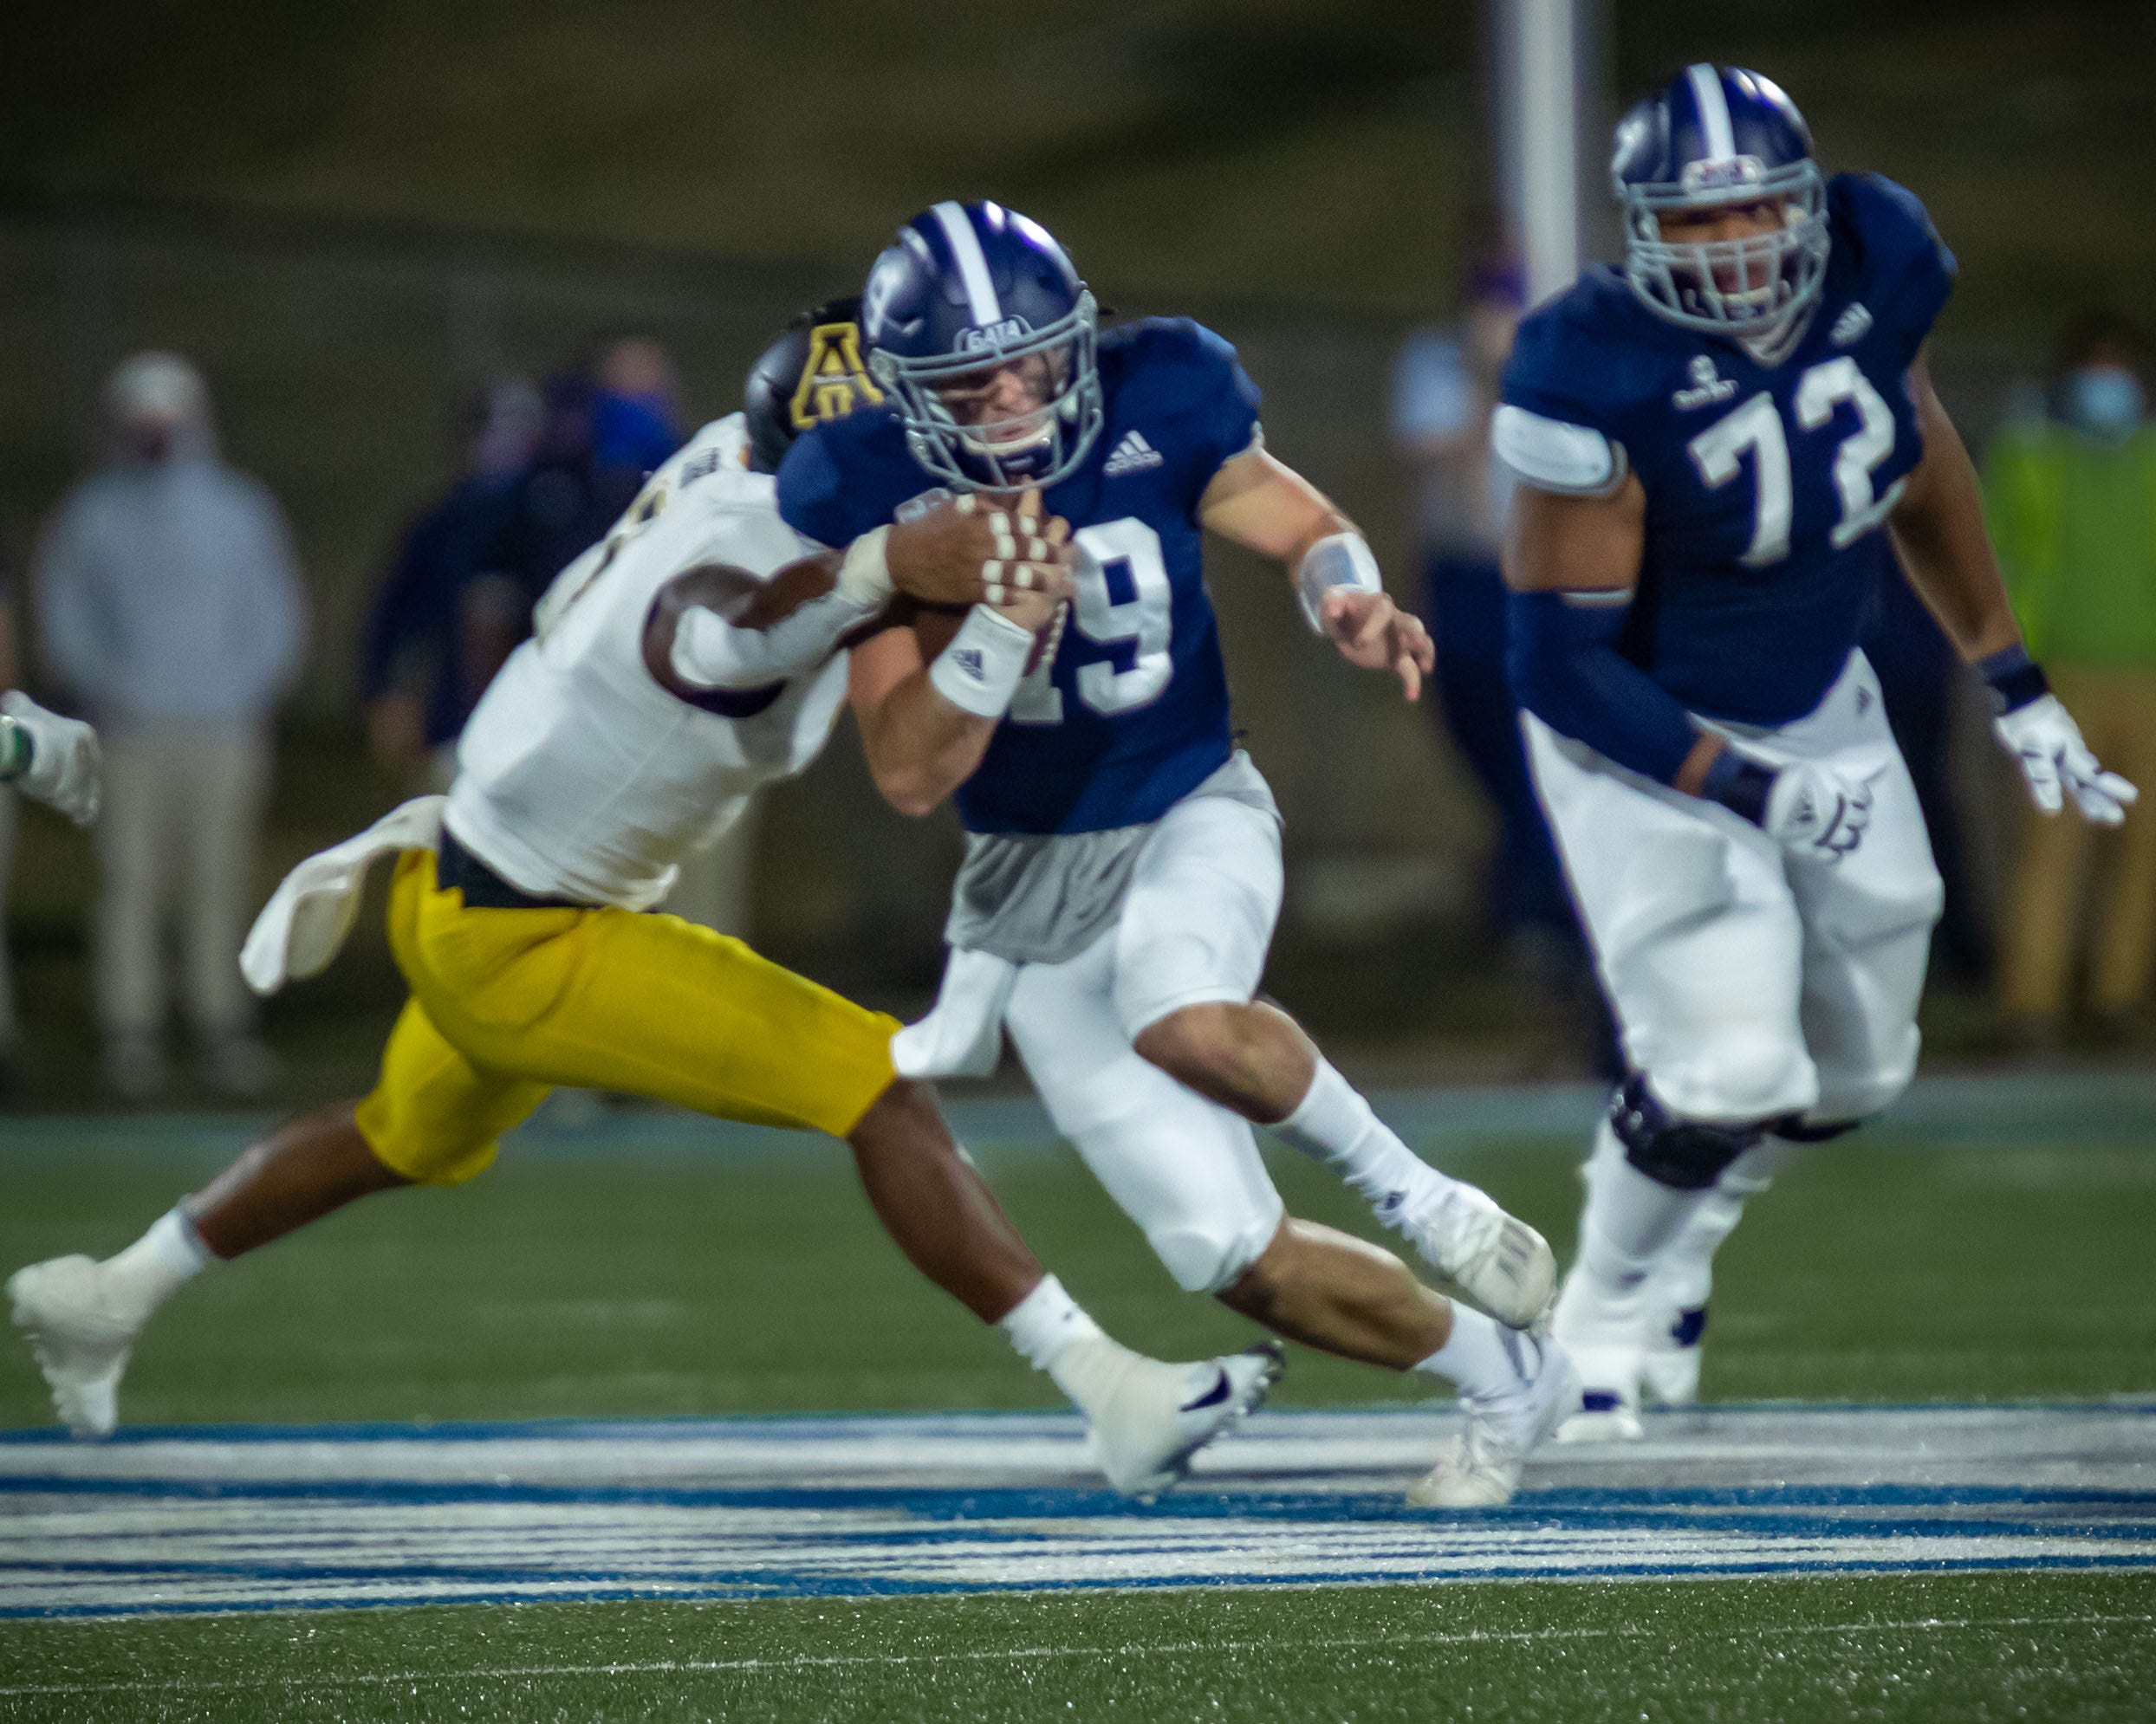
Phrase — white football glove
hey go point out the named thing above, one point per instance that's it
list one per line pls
(63, 757)
(1818, 811)
(2044, 737)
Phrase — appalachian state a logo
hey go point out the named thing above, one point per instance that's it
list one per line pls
(834, 381)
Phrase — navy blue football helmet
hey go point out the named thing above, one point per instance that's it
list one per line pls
(1717, 135)
(968, 290)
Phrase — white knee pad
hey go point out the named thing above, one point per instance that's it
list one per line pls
(1736, 1076)
(1209, 1261)
(1846, 1093)
(1195, 1185)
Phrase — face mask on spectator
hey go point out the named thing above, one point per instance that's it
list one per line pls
(2103, 400)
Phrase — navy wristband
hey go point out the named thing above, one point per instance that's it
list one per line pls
(1739, 785)
(2013, 678)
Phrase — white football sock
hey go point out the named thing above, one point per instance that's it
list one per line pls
(1334, 1124)
(1482, 1357)
(1630, 1219)
(1686, 1273)
(1048, 1328)
(146, 1274)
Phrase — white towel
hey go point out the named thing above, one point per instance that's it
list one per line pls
(963, 1035)
(306, 922)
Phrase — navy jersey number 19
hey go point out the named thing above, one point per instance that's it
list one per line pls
(1144, 621)
(1718, 452)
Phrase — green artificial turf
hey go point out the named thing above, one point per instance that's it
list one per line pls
(1963, 1647)
(657, 1283)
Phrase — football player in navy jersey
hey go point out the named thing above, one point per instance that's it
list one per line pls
(1723, 446)
(1123, 868)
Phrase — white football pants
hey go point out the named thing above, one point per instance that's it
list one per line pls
(1751, 982)
(1194, 927)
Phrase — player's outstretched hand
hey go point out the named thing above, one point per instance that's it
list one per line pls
(64, 762)
(2055, 763)
(1370, 630)
(972, 550)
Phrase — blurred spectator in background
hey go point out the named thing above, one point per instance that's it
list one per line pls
(1444, 387)
(604, 426)
(1922, 680)
(423, 659)
(2072, 501)
(169, 604)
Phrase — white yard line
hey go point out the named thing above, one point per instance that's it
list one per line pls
(1017, 1653)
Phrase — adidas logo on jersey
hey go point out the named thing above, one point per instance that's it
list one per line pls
(1707, 388)
(969, 660)
(1852, 327)
(1132, 454)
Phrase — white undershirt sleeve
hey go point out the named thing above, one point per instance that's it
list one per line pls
(1554, 456)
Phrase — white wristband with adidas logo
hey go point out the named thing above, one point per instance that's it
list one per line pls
(980, 670)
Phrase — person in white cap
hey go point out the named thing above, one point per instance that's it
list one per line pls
(170, 607)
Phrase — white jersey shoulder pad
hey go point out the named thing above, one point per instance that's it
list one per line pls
(1554, 456)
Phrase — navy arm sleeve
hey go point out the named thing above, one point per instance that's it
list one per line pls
(1561, 652)
(1563, 649)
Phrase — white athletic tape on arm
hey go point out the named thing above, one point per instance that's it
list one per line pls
(1556, 457)
(864, 576)
(980, 670)
(1339, 560)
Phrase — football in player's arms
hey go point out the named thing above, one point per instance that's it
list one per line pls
(1723, 445)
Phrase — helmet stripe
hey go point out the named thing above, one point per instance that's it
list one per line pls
(1708, 97)
(973, 262)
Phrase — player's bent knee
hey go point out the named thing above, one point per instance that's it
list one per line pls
(419, 1160)
(1736, 1076)
(1211, 1259)
(1685, 1155)
(1861, 1089)
(1191, 1039)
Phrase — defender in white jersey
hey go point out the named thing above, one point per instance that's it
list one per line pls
(697, 654)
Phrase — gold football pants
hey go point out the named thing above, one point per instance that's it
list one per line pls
(507, 1003)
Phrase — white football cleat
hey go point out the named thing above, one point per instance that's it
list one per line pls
(1499, 1262)
(1156, 1416)
(81, 1344)
(1604, 1337)
(1669, 1369)
(1481, 1469)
